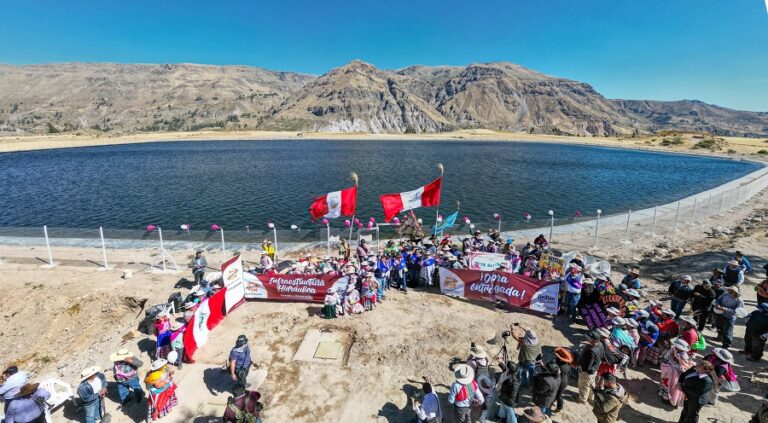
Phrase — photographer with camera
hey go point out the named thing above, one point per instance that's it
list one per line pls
(529, 352)
(428, 408)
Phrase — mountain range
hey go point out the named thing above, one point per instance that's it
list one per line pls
(356, 97)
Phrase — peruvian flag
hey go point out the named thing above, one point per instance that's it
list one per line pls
(208, 315)
(335, 204)
(426, 196)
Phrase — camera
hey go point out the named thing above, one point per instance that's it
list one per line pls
(506, 334)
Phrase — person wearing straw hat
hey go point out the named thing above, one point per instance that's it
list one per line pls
(609, 400)
(464, 393)
(688, 331)
(162, 390)
(573, 285)
(478, 361)
(722, 360)
(701, 303)
(590, 358)
(673, 363)
(632, 280)
(534, 415)
(28, 405)
(725, 308)
(564, 361)
(756, 333)
(125, 369)
(92, 389)
(177, 343)
(733, 274)
(668, 327)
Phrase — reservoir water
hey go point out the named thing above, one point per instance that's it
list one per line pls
(239, 183)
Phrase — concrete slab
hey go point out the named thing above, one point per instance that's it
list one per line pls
(322, 347)
(329, 350)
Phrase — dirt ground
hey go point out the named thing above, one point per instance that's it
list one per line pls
(60, 320)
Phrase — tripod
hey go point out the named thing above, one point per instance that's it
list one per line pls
(503, 352)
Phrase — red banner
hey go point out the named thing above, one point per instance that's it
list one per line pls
(306, 288)
(511, 288)
(207, 316)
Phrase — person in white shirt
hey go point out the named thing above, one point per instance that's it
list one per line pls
(12, 381)
(428, 411)
(464, 394)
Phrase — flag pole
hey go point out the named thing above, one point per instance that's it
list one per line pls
(458, 207)
(437, 212)
(352, 222)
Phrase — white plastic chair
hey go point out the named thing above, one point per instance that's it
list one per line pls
(60, 392)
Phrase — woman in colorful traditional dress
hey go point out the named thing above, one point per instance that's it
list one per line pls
(162, 328)
(674, 362)
(162, 390)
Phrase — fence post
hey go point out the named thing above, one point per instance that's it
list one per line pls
(223, 246)
(103, 248)
(693, 215)
(653, 225)
(626, 231)
(677, 214)
(328, 239)
(162, 247)
(722, 199)
(551, 225)
(48, 246)
(274, 233)
(709, 206)
(597, 227)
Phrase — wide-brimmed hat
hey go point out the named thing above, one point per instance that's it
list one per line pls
(163, 313)
(120, 355)
(27, 390)
(564, 355)
(656, 303)
(574, 266)
(724, 355)
(613, 310)
(604, 333)
(634, 271)
(578, 256)
(633, 323)
(668, 312)
(88, 372)
(689, 320)
(632, 293)
(530, 339)
(718, 270)
(643, 313)
(619, 321)
(452, 258)
(176, 325)
(534, 414)
(733, 263)
(464, 374)
(477, 352)
(735, 289)
(681, 345)
(158, 364)
(686, 278)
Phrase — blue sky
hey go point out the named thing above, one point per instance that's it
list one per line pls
(712, 50)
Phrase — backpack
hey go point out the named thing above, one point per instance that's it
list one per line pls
(613, 355)
(242, 415)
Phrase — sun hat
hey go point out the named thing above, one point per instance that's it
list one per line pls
(604, 333)
(686, 278)
(158, 364)
(681, 345)
(176, 325)
(668, 312)
(464, 374)
(643, 313)
(530, 339)
(88, 372)
(564, 355)
(534, 414)
(594, 334)
(578, 256)
(633, 323)
(613, 310)
(27, 390)
(619, 321)
(733, 263)
(477, 352)
(723, 354)
(575, 266)
(655, 303)
(164, 313)
(736, 289)
(689, 320)
(120, 355)
(446, 248)
(632, 293)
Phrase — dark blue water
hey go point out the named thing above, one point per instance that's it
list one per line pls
(238, 183)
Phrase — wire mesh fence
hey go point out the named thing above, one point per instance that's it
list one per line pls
(156, 246)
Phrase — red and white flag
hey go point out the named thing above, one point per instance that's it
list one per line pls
(335, 204)
(208, 315)
(426, 196)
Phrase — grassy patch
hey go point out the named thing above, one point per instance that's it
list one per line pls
(73, 309)
(764, 152)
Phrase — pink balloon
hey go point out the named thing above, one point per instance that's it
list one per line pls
(371, 220)
(215, 227)
(325, 221)
(151, 228)
(357, 221)
(370, 225)
(396, 221)
(347, 223)
(359, 225)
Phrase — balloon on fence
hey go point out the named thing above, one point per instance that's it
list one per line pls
(215, 227)
(325, 221)
(151, 228)
(396, 221)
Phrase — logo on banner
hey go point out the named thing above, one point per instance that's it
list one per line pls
(546, 299)
(487, 261)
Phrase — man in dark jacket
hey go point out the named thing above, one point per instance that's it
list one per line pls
(564, 359)
(755, 335)
(701, 303)
(609, 400)
(509, 391)
(545, 386)
(696, 383)
(681, 291)
(589, 360)
(92, 389)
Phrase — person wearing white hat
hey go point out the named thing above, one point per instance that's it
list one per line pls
(478, 361)
(733, 274)
(674, 362)
(125, 369)
(464, 393)
(722, 360)
(529, 352)
(573, 285)
(92, 389)
(681, 291)
(667, 325)
(177, 343)
(725, 307)
(688, 331)
(632, 280)
(649, 334)
(159, 382)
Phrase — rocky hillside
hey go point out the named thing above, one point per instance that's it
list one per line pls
(118, 98)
